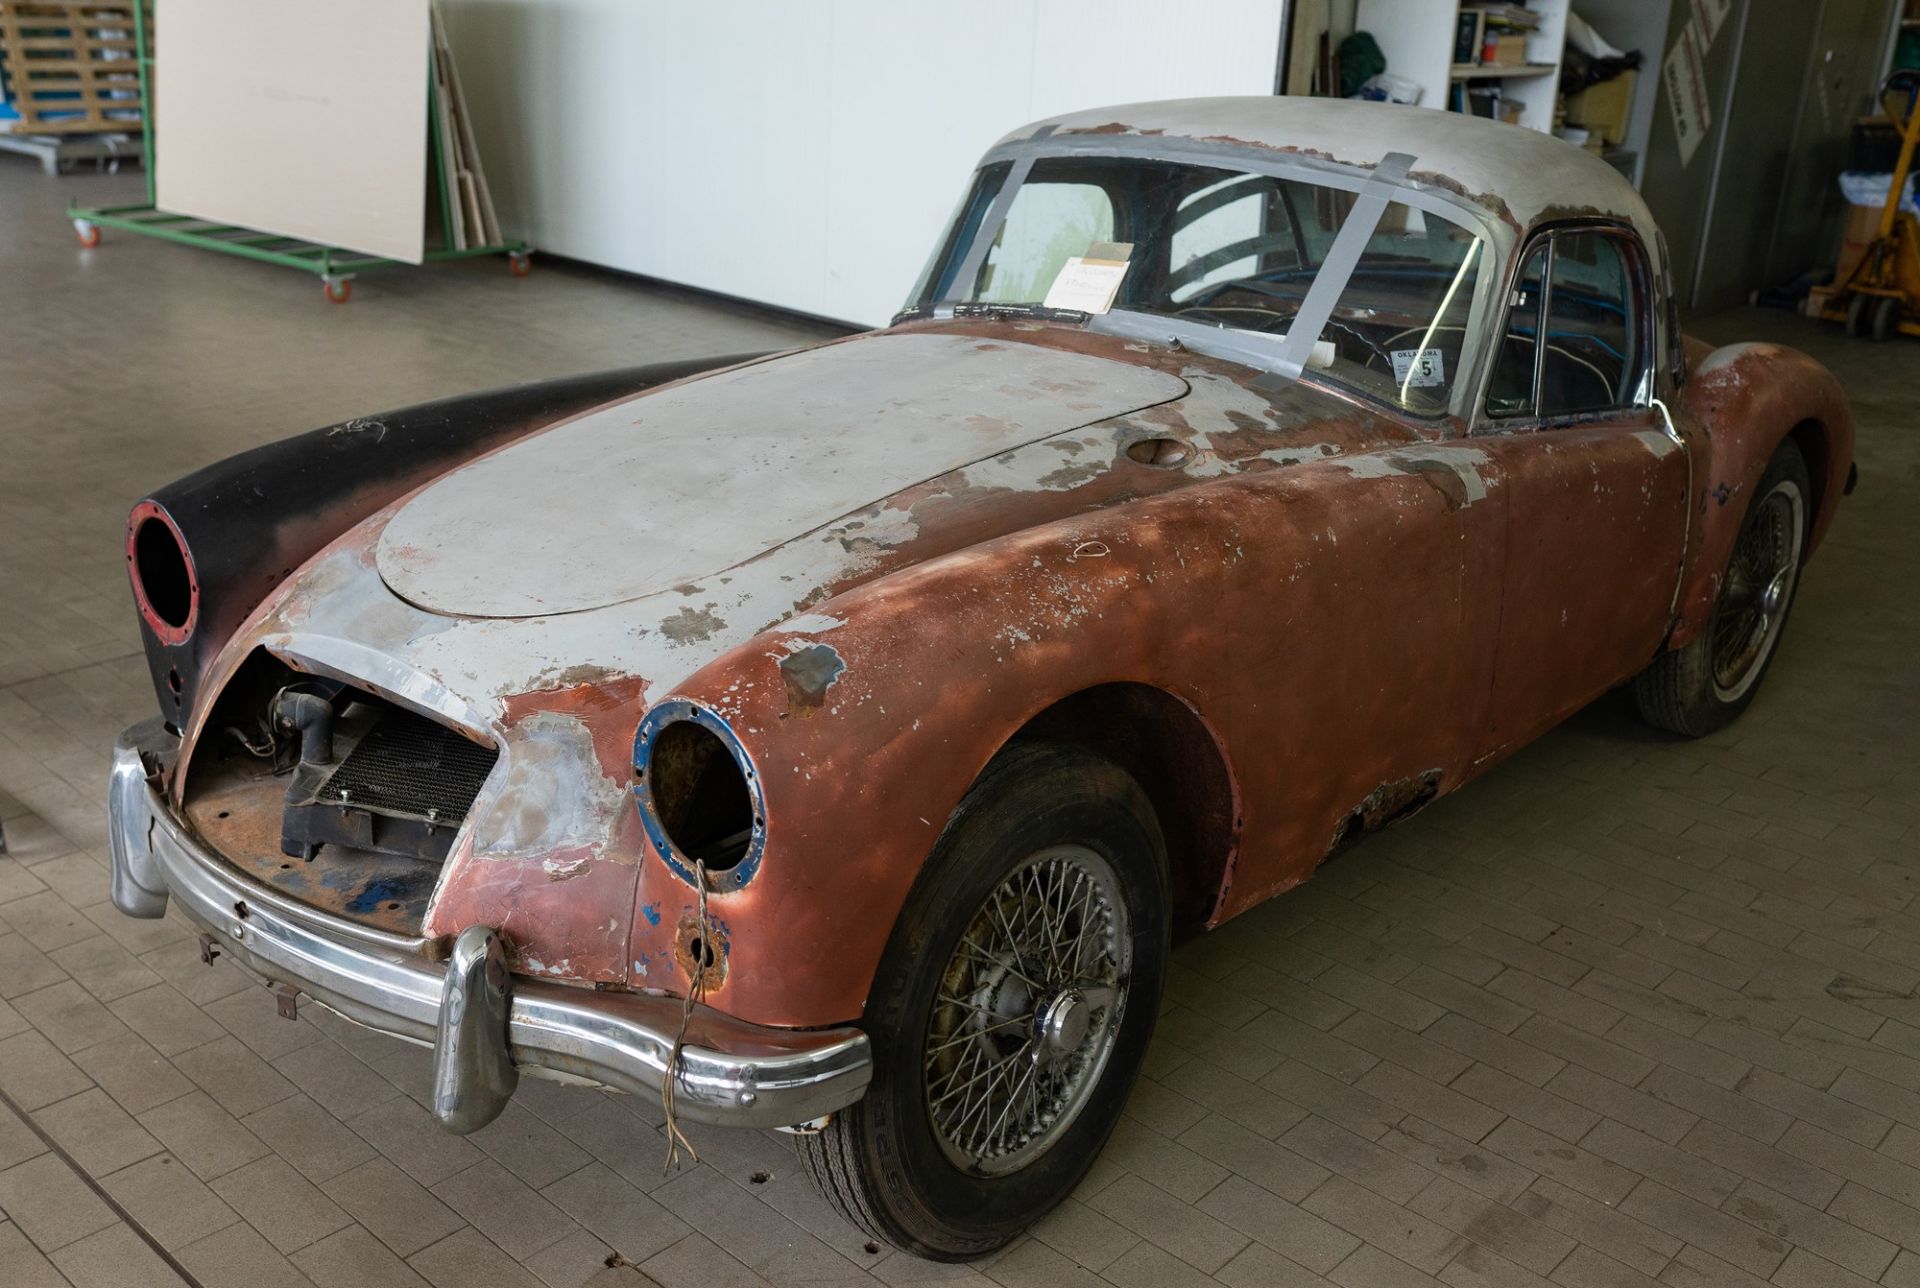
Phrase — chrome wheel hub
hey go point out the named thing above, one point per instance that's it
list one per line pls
(1064, 1023)
(1028, 1011)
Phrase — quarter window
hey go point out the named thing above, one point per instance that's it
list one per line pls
(1580, 345)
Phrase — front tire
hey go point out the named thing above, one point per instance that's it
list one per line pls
(1703, 686)
(1011, 1010)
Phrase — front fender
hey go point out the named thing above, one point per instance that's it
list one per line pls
(1256, 602)
(1743, 401)
(869, 718)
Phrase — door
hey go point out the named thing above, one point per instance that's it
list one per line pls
(1596, 488)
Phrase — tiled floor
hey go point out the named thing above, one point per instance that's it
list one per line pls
(1629, 1010)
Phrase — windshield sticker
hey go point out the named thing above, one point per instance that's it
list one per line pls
(1087, 283)
(1419, 368)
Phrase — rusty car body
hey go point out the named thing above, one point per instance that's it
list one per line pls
(655, 691)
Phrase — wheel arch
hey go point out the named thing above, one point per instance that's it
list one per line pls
(1810, 436)
(1181, 764)
(1745, 400)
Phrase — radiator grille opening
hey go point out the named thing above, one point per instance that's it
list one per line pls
(399, 784)
(356, 822)
(410, 766)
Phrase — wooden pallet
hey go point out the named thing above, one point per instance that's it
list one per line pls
(72, 68)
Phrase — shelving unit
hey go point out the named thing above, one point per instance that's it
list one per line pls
(1418, 41)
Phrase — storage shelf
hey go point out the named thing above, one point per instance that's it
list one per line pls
(1510, 71)
(1420, 41)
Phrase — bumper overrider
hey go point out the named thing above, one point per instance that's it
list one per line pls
(484, 1025)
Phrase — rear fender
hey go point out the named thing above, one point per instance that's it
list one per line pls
(1740, 403)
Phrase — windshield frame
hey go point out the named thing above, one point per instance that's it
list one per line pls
(1252, 349)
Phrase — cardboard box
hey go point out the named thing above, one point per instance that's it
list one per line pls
(1507, 51)
(1605, 108)
(1863, 225)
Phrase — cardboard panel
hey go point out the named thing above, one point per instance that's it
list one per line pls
(302, 117)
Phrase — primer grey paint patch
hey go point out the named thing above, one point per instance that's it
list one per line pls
(809, 672)
(676, 486)
(1464, 483)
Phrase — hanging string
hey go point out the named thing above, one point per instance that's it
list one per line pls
(702, 954)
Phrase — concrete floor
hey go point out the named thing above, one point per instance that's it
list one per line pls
(1629, 1010)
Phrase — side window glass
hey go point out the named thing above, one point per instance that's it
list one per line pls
(1510, 391)
(1593, 323)
(1047, 224)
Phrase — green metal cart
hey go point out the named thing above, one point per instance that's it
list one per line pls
(334, 266)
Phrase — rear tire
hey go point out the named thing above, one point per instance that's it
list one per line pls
(1702, 686)
(1047, 1024)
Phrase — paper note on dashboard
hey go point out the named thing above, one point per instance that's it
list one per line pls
(1086, 284)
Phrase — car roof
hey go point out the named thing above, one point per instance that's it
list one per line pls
(1522, 176)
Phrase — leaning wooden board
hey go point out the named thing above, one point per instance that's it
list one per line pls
(265, 121)
(484, 224)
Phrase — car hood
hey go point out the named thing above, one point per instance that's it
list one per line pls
(676, 486)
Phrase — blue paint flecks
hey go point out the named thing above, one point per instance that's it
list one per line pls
(651, 912)
(378, 892)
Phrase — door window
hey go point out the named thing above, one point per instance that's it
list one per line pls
(1510, 392)
(1578, 346)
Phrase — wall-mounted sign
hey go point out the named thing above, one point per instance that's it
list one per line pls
(1685, 72)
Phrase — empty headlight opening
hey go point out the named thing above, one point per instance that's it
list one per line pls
(698, 794)
(163, 579)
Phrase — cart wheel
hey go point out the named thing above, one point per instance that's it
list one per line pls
(519, 263)
(338, 289)
(1857, 315)
(88, 233)
(1886, 316)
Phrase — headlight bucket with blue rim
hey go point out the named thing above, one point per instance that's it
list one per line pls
(698, 791)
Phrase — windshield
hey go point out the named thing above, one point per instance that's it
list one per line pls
(1227, 249)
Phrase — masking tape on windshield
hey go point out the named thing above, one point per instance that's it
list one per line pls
(1331, 281)
(962, 283)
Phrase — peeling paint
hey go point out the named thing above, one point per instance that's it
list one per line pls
(1519, 177)
(692, 626)
(360, 425)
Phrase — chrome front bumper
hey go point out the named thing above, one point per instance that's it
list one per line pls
(484, 1025)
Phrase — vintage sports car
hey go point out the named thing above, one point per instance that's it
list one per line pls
(834, 740)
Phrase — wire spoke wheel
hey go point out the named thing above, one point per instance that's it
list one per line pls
(1011, 1012)
(1028, 1010)
(1758, 587)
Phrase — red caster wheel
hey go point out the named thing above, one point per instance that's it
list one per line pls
(338, 289)
(520, 263)
(88, 234)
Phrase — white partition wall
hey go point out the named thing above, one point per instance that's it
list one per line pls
(803, 153)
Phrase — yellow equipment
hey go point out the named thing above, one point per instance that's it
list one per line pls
(1885, 284)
